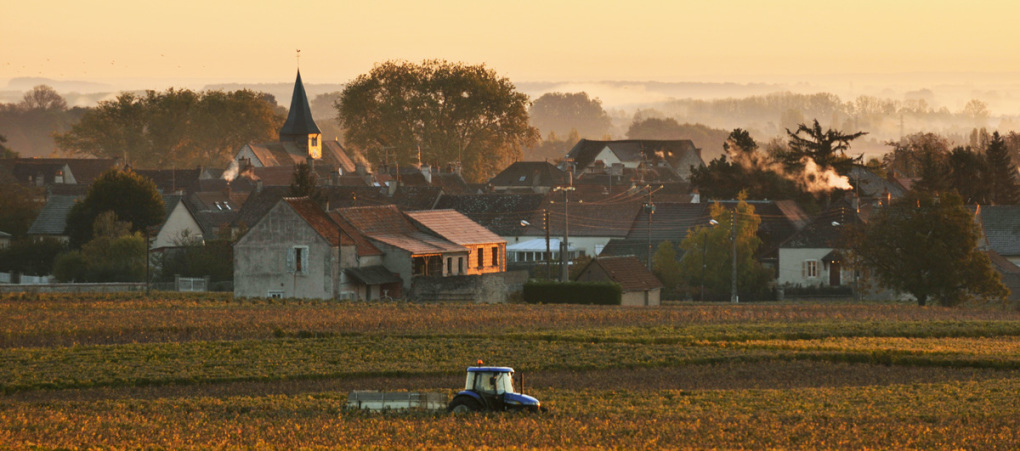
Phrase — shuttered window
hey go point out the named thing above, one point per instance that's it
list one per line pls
(809, 270)
(297, 260)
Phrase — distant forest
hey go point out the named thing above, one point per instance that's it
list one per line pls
(29, 125)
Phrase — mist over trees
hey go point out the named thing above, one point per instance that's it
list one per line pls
(563, 113)
(28, 126)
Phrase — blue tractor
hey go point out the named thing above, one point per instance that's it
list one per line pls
(491, 388)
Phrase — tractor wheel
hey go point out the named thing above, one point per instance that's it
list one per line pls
(464, 404)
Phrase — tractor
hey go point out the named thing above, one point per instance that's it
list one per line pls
(491, 388)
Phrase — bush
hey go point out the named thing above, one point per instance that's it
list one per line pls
(598, 293)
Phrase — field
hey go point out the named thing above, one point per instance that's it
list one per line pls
(174, 371)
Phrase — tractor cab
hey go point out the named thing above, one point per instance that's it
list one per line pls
(491, 388)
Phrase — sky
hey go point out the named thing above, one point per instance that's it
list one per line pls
(184, 42)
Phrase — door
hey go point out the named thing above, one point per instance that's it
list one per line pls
(834, 270)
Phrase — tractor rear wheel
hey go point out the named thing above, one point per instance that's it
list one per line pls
(464, 404)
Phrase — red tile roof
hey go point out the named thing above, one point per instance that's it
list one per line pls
(319, 221)
(388, 225)
(629, 272)
(455, 227)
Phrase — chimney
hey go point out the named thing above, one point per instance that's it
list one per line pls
(258, 186)
(360, 168)
(426, 170)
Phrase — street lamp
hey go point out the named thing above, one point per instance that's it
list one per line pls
(565, 245)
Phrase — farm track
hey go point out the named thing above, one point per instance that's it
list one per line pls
(721, 376)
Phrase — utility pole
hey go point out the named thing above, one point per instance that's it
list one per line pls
(734, 298)
(650, 210)
(548, 252)
(565, 245)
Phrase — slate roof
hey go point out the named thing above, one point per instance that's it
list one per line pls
(530, 173)
(637, 248)
(454, 226)
(373, 275)
(52, 220)
(169, 181)
(629, 272)
(28, 171)
(87, 170)
(821, 233)
(1002, 228)
(416, 197)
(451, 183)
(670, 222)
(299, 118)
(590, 214)
(388, 225)
(500, 213)
(871, 185)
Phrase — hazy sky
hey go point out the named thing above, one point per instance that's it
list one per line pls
(752, 40)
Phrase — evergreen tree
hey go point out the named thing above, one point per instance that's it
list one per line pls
(1001, 173)
(305, 183)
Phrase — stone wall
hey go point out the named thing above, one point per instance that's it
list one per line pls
(485, 288)
(73, 288)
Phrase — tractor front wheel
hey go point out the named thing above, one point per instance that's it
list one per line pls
(464, 404)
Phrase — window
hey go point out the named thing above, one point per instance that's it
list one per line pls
(315, 141)
(275, 295)
(297, 260)
(460, 265)
(495, 256)
(449, 265)
(810, 269)
(481, 257)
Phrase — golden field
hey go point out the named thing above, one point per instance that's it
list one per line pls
(179, 372)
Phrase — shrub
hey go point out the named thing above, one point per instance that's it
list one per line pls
(599, 293)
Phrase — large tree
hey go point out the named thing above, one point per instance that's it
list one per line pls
(19, 206)
(131, 197)
(440, 111)
(708, 254)
(926, 246)
(561, 113)
(1001, 172)
(174, 128)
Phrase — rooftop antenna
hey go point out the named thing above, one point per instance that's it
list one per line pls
(299, 59)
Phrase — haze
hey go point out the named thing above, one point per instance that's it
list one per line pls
(188, 41)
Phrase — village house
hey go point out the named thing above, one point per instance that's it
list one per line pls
(642, 160)
(640, 287)
(292, 252)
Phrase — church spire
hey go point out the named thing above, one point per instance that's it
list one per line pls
(300, 128)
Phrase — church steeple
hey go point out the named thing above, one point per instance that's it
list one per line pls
(300, 128)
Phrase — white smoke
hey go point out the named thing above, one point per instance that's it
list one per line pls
(231, 172)
(813, 178)
(821, 180)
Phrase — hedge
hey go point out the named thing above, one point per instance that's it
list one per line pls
(546, 292)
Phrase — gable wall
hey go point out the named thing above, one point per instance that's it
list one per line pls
(260, 259)
(178, 224)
